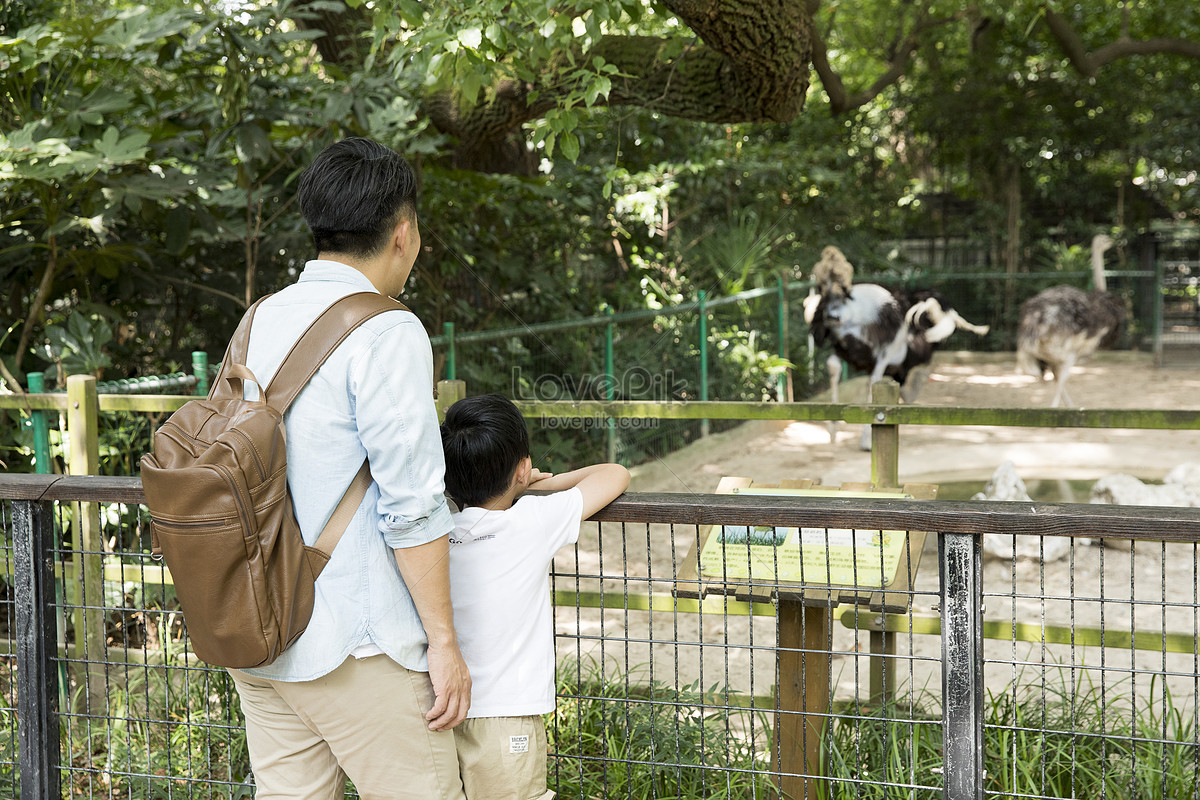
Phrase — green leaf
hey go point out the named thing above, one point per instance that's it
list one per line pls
(179, 225)
(252, 144)
(116, 151)
(471, 37)
(570, 146)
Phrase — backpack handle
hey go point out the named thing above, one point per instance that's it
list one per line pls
(236, 376)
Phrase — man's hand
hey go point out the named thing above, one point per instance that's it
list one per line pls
(451, 687)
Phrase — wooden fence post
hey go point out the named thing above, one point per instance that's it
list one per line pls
(87, 541)
(885, 474)
(449, 393)
(805, 636)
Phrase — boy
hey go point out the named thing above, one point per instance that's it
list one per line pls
(500, 553)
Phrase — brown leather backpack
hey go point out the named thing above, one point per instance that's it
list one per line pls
(220, 512)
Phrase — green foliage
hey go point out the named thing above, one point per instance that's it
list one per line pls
(78, 346)
(619, 739)
(1043, 739)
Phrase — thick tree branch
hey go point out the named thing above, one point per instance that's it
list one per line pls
(1089, 64)
(899, 54)
(345, 28)
(749, 62)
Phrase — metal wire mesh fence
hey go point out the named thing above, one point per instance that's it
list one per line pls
(753, 646)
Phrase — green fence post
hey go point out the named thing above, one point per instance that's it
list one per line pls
(41, 457)
(781, 391)
(1158, 309)
(703, 356)
(41, 428)
(610, 389)
(451, 367)
(200, 370)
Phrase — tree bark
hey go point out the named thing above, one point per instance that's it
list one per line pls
(749, 62)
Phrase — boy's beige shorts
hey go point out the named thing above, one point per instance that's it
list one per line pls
(503, 758)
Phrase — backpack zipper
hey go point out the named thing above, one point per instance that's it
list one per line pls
(262, 472)
(240, 501)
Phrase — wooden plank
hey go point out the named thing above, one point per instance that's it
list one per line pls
(866, 414)
(805, 636)
(1170, 524)
(87, 539)
(1006, 630)
(973, 517)
(144, 403)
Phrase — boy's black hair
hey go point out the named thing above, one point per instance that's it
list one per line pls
(484, 439)
(353, 195)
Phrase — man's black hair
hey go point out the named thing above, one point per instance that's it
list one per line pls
(484, 439)
(353, 195)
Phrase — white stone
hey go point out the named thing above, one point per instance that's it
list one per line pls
(1181, 490)
(1005, 484)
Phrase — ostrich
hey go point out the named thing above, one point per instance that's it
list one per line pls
(1062, 326)
(876, 330)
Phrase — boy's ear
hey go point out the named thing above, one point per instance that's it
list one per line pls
(524, 470)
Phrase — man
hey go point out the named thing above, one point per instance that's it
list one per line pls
(375, 684)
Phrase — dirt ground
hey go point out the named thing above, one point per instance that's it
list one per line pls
(1150, 587)
(769, 451)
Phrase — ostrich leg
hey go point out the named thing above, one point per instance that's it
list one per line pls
(864, 441)
(834, 365)
(1061, 373)
(917, 379)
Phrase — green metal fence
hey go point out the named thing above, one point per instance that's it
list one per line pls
(749, 346)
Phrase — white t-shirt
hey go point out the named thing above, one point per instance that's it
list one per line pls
(499, 563)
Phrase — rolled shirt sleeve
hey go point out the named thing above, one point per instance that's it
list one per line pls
(392, 393)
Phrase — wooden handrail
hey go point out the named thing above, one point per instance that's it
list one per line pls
(974, 517)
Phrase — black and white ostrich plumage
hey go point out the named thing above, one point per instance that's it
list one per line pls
(1061, 326)
(877, 330)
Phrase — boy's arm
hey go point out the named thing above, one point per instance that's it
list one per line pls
(599, 484)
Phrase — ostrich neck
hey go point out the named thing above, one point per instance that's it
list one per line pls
(1098, 268)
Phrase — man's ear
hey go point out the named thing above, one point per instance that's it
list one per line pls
(400, 234)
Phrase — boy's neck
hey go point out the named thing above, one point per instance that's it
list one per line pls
(503, 502)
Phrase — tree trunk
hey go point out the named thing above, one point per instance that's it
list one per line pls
(1012, 239)
(749, 62)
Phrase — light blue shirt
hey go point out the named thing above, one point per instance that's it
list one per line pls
(372, 397)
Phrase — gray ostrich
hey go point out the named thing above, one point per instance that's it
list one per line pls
(1061, 326)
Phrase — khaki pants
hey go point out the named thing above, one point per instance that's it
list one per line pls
(365, 720)
(503, 758)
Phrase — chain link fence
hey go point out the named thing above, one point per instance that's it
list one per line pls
(787, 643)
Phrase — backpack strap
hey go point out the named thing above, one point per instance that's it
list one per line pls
(339, 520)
(320, 340)
(309, 352)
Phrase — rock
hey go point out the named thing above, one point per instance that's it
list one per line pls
(1181, 489)
(1187, 475)
(1006, 484)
